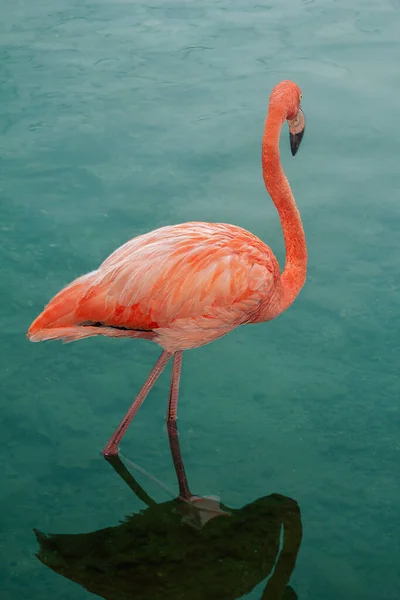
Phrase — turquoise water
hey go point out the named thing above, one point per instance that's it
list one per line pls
(118, 117)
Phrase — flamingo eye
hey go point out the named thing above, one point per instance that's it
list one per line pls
(301, 96)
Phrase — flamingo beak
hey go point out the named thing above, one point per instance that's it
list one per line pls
(296, 131)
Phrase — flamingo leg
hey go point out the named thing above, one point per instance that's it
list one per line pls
(121, 470)
(174, 387)
(173, 435)
(111, 448)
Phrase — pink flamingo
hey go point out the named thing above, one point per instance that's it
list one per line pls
(186, 285)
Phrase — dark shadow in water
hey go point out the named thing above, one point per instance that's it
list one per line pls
(188, 548)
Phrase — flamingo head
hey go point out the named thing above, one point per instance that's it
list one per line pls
(287, 96)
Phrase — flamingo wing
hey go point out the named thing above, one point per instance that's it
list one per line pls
(173, 274)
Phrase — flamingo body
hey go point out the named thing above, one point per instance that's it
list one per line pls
(187, 284)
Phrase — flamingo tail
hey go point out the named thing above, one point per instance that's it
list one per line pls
(60, 321)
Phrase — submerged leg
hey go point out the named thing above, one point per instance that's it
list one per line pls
(112, 447)
(173, 438)
(121, 469)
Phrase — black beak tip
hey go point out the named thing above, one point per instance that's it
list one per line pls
(295, 141)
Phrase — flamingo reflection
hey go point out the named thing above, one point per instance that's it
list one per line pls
(188, 548)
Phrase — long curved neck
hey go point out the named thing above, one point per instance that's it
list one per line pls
(294, 273)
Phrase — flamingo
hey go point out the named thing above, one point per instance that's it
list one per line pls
(185, 285)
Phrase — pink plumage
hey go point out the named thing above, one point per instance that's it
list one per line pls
(188, 284)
